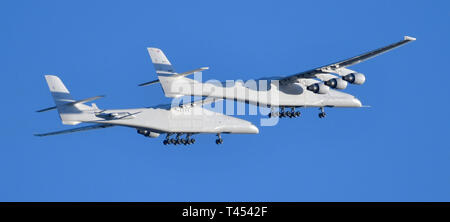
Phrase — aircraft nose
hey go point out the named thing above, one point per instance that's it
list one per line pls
(357, 102)
(253, 129)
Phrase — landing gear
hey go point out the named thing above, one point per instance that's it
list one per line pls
(188, 140)
(167, 140)
(273, 113)
(177, 140)
(219, 140)
(283, 113)
(322, 113)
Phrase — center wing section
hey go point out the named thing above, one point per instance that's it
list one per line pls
(337, 66)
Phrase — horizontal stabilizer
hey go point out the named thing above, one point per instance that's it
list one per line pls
(84, 128)
(71, 103)
(176, 75)
(409, 38)
(85, 100)
(192, 71)
(46, 109)
(149, 83)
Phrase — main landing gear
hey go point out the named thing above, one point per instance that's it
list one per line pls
(177, 140)
(283, 113)
(322, 113)
(219, 140)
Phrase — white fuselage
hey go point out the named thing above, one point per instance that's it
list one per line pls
(174, 120)
(291, 95)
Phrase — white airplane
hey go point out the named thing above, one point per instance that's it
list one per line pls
(310, 88)
(150, 122)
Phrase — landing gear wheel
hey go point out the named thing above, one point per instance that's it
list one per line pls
(219, 139)
(165, 142)
(297, 113)
(322, 112)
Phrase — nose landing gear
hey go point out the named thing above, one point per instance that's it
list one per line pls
(322, 113)
(219, 140)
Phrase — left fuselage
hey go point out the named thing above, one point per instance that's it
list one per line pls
(175, 120)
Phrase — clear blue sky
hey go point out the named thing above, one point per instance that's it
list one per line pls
(398, 150)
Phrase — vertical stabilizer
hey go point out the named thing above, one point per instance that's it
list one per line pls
(160, 61)
(166, 73)
(69, 110)
(58, 90)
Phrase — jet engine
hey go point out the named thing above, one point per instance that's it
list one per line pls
(319, 88)
(336, 83)
(355, 78)
(148, 133)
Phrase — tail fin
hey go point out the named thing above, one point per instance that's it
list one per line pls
(166, 73)
(70, 111)
(160, 61)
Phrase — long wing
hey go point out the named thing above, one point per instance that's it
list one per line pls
(78, 129)
(203, 101)
(344, 63)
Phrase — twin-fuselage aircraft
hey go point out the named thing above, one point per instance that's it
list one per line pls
(319, 87)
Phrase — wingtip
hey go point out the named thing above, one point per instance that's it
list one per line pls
(409, 38)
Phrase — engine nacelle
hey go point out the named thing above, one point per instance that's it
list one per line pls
(336, 83)
(148, 133)
(355, 78)
(319, 88)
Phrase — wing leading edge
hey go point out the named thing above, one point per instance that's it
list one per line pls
(345, 63)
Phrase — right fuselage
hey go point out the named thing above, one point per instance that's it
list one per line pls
(259, 93)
